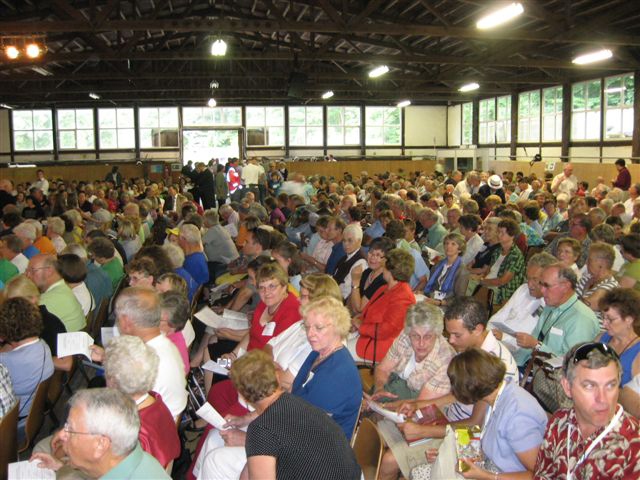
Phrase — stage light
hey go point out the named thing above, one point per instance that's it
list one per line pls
(33, 50)
(212, 102)
(12, 52)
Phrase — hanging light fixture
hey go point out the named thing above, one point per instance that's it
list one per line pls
(219, 48)
(33, 50)
(328, 94)
(469, 87)
(12, 52)
(212, 102)
(378, 71)
(500, 16)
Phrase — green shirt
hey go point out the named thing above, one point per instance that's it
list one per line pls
(513, 262)
(138, 465)
(436, 233)
(60, 300)
(632, 270)
(7, 270)
(562, 327)
(113, 268)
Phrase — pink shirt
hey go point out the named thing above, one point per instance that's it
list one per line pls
(178, 340)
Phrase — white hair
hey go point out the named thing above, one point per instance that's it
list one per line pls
(175, 254)
(76, 249)
(130, 365)
(111, 413)
(211, 217)
(355, 230)
(56, 225)
(191, 234)
(36, 224)
(25, 230)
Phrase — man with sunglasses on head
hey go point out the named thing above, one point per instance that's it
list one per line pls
(595, 439)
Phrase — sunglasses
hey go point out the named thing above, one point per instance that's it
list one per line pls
(582, 353)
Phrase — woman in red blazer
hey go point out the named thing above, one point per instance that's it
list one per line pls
(382, 319)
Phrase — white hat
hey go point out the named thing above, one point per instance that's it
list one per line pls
(495, 182)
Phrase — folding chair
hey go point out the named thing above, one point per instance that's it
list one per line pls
(368, 448)
(36, 415)
(8, 445)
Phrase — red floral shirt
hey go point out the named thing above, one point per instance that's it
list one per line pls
(616, 457)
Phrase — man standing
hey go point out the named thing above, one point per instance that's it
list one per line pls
(205, 186)
(470, 185)
(114, 177)
(251, 176)
(42, 183)
(564, 321)
(595, 439)
(623, 180)
(565, 182)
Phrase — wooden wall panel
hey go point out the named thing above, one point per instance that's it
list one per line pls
(355, 167)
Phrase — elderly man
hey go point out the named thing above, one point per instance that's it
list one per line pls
(595, 439)
(353, 258)
(522, 311)
(27, 235)
(634, 193)
(6, 193)
(195, 262)
(11, 249)
(138, 313)
(101, 438)
(56, 294)
(428, 218)
(470, 185)
(579, 228)
(565, 182)
(218, 244)
(563, 322)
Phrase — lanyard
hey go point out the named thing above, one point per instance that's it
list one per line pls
(491, 410)
(612, 424)
(542, 334)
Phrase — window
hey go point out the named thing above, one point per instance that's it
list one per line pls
(552, 114)
(585, 110)
(32, 130)
(158, 127)
(383, 126)
(503, 123)
(305, 126)
(467, 123)
(265, 126)
(529, 116)
(343, 125)
(211, 117)
(487, 121)
(75, 129)
(618, 104)
(116, 128)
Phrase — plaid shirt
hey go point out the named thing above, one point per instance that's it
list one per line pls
(7, 397)
(513, 262)
(431, 372)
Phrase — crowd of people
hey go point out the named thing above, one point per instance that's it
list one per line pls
(509, 302)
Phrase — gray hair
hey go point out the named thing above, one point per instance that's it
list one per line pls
(175, 254)
(595, 359)
(111, 413)
(428, 214)
(603, 233)
(355, 230)
(191, 234)
(36, 224)
(424, 315)
(25, 230)
(176, 307)
(76, 249)
(56, 225)
(211, 217)
(141, 305)
(130, 365)
(565, 273)
(542, 260)
(600, 213)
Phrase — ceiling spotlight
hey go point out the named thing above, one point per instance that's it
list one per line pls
(33, 50)
(95, 96)
(327, 95)
(469, 87)
(500, 16)
(212, 102)
(219, 48)
(378, 71)
(404, 103)
(12, 52)
(214, 84)
(593, 57)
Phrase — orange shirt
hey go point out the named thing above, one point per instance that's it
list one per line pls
(45, 246)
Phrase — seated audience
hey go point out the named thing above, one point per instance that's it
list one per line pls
(103, 252)
(195, 262)
(74, 271)
(11, 249)
(97, 281)
(630, 274)
(353, 258)
(367, 281)
(449, 277)
(598, 279)
(174, 315)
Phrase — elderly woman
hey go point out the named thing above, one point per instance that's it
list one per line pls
(128, 237)
(621, 320)
(55, 231)
(630, 273)
(23, 352)
(469, 226)
(353, 258)
(449, 277)
(176, 257)
(506, 272)
(382, 318)
(491, 244)
(75, 234)
(598, 279)
(367, 282)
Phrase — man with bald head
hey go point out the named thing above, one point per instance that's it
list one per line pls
(565, 182)
(55, 294)
(138, 314)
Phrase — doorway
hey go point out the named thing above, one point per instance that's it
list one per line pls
(201, 145)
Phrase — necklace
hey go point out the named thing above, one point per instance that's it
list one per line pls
(275, 308)
(628, 345)
(322, 358)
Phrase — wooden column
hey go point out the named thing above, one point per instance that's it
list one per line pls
(635, 142)
(566, 120)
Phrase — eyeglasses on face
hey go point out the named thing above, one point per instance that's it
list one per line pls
(270, 287)
(68, 430)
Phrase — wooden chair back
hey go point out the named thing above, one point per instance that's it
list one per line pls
(8, 444)
(368, 448)
(36, 415)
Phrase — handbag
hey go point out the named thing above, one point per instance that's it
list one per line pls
(446, 463)
(545, 384)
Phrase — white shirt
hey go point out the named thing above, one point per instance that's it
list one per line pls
(634, 384)
(21, 262)
(170, 382)
(58, 243)
(474, 245)
(463, 187)
(251, 174)
(345, 286)
(42, 185)
(525, 194)
(83, 295)
(519, 313)
(291, 348)
(561, 184)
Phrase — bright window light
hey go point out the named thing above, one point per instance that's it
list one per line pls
(615, 90)
(212, 102)
(469, 87)
(404, 103)
(500, 16)
(327, 95)
(378, 71)
(593, 57)
(12, 52)
(33, 50)
(219, 48)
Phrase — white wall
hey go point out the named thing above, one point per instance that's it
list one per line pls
(454, 125)
(425, 126)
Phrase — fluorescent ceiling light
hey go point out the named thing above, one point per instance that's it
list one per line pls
(593, 57)
(615, 90)
(212, 102)
(42, 71)
(378, 71)
(500, 16)
(404, 103)
(22, 165)
(327, 94)
(4, 105)
(219, 48)
(469, 87)
(95, 96)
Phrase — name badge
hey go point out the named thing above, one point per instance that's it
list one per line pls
(556, 331)
(268, 329)
(309, 378)
(438, 295)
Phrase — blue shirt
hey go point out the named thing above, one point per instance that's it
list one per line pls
(196, 264)
(337, 252)
(376, 230)
(626, 359)
(98, 283)
(192, 285)
(30, 251)
(517, 424)
(333, 386)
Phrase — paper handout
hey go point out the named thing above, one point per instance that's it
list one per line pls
(229, 319)
(107, 334)
(211, 415)
(74, 343)
(29, 471)
(215, 367)
(393, 416)
(504, 328)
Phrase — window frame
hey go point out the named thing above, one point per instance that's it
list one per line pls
(384, 125)
(266, 126)
(32, 130)
(117, 128)
(469, 123)
(307, 126)
(487, 121)
(159, 127)
(595, 114)
(530, 117)
(621, 108)
(343, 125)
(213, 110)
(556, 115)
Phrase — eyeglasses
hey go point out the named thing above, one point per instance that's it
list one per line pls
(69, 431)
(414, 337)
(582, 353)
(268, 288)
